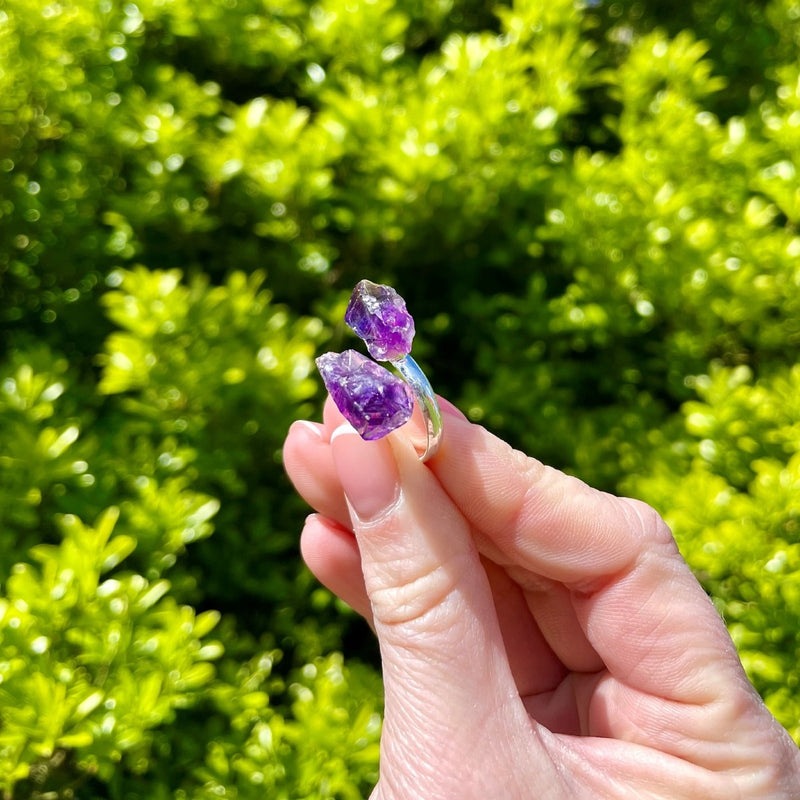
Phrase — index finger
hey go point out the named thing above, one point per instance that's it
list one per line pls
(635, 598)
(550, 522)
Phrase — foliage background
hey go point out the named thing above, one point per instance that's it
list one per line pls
(592, 210)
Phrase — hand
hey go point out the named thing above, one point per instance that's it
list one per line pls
(539, 639)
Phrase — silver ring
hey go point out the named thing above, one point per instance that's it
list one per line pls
(425, 397)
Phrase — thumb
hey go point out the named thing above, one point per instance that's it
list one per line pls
(445, 668)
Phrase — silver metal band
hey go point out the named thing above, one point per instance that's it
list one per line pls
(424, 394)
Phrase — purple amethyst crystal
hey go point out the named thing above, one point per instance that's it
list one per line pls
(378, 315)
(371, 399)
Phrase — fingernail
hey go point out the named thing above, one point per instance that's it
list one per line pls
(367, 470)
(314, 429)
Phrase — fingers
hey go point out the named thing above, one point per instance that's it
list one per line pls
(636, 603)
(331, 553)
(327, 544)
(580, 533)
(308, 461)
(534, 665)
(443, 656)
(594, 569)
(620, 642)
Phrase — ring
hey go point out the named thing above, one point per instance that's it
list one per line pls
(372, 399)
(428, 404)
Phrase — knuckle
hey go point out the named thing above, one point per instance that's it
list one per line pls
(647, 520)
(426, 600)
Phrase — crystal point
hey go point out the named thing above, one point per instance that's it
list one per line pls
(378, 315)
(373, 400)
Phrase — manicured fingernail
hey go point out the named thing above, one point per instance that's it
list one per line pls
(312, 429)
(367, 470)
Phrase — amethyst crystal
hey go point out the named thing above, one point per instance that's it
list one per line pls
(371, 399)
(378, 315)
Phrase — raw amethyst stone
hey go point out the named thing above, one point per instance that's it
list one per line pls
(371, 399)
(378, 315)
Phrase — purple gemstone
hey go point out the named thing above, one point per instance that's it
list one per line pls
(378, 315)
(371, 399)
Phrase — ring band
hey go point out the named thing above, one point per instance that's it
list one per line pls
(426, 398)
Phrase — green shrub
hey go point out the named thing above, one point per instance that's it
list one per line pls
(730, 488)
(92, 663)
(592, 213)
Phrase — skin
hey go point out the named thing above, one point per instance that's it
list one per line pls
(539, 638)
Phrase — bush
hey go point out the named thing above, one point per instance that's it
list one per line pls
(729, 486)
(592, 212)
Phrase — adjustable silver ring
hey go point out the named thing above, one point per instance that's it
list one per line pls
(425, 397)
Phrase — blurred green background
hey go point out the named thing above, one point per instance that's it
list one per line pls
(592, 211)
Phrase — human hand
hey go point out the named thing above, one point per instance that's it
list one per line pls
(539, 639)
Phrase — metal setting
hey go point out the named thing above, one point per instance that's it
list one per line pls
(424, 394)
